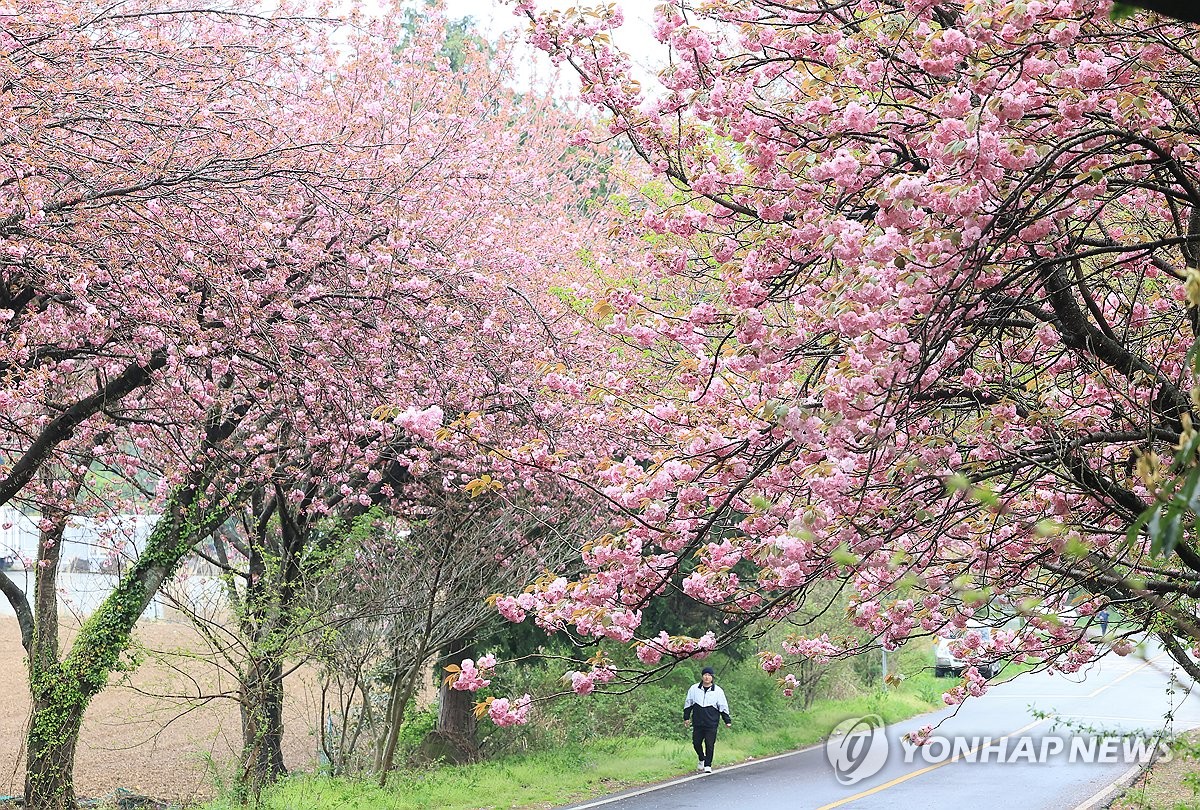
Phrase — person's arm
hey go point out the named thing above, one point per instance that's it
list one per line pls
(723, 708)
(687, 707)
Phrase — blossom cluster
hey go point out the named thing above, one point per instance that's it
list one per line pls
(504, 712)
(651, 651)
(469, 675)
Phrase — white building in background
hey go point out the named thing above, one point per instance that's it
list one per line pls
(18, 533)
(93, 554)
(88, 545)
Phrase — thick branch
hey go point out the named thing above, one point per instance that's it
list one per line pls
(1080, 334)
(20, 605)
(62, 426)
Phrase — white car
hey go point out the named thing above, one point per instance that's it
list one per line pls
(946, 663)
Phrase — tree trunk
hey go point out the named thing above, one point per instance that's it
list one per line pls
(264, 617)
(262, 725)
(58, 698)
(62, 690)
(456, 714)
(402, 687)
(58, 706)
(456, 723)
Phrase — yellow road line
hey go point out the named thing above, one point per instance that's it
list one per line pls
(927, 769)
(1022, 730)
(1138, 668)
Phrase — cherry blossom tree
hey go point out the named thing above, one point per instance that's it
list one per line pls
(233, 238)
(918, 316)
(228, 239)
(120, 189)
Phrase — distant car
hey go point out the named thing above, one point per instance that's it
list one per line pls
(946, 663)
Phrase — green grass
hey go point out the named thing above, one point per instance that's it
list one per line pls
(580, 748)
(593, 767)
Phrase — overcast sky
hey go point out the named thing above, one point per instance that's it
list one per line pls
(496, 18)
(634, 36)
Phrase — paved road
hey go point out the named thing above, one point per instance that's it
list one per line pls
(1117, 694)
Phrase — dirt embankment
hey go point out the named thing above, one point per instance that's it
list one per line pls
(153, 731)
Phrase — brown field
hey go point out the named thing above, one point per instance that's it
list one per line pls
(147, 732)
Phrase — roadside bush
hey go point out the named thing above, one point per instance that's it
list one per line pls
(418, 722)
(654, 710)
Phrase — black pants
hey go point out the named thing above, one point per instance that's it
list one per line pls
(704, 740)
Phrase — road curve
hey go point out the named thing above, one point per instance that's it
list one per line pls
(1114, 695)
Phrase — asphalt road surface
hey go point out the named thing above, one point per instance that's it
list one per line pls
(995, 752)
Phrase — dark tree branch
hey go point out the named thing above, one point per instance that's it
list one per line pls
(62, 426)
(20, 605)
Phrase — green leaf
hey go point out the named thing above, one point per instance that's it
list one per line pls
(986, 496)
(1122, 11)
(1135, 529)
(1076, 548)
(1165, 529)
(957, 483)
(1187, 453)
(1173, 533)
(842, 555)
(976, 596)
(1029, 604)
(1155, 531)
(1187, 495)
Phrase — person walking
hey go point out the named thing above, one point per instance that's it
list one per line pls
(703, 710)
(1103, 617)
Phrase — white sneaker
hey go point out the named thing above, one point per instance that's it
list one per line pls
(708, 768)
(700, 765)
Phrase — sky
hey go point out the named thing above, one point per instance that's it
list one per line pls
(496, 18)
(634, 37)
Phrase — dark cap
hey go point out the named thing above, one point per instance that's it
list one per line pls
(708, 671)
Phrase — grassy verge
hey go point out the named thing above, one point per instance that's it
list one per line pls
(592, 767)
(1173, 785)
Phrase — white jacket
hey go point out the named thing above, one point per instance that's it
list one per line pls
(706, 707)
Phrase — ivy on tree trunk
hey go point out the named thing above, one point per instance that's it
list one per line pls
(62, 689)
